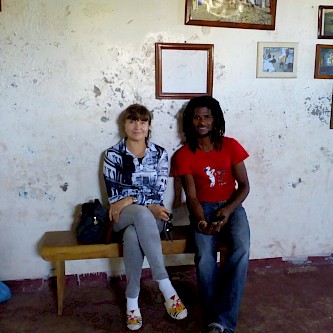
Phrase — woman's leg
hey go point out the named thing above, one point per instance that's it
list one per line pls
(148, 236)
(133, 260)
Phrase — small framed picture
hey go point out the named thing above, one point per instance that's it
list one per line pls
(325, 22)
(324, 62)
(277, 60)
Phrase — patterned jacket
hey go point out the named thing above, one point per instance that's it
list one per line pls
(126, 175)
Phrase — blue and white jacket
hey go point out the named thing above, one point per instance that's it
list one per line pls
(125, 175)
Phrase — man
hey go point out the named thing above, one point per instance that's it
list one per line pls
(214, 177)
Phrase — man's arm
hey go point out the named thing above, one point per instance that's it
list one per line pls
(192, 201)
(243, 188)
(240, 174)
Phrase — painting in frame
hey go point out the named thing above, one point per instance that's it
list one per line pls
(183, 70)
(324, 62)
(325, 22)
(277, 60)
(242, 14)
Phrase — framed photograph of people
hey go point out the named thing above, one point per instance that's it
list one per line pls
(325, 22)
(183, 70)
(243, 14)
(277, 60)
(324, 62)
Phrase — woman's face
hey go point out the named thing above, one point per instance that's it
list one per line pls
(203, 121)
(136, 130)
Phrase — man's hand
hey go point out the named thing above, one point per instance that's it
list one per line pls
(213, 227)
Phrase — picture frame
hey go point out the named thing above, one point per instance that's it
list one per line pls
(183, 70)
(325, 22)
(324, 62)
(277, 60)
(242, 14)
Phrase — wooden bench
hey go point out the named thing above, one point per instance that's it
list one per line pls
(61, 246)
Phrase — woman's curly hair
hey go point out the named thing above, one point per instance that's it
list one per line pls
(218, 129)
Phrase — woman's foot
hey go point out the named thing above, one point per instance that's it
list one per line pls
(134, 319)
(175, 308)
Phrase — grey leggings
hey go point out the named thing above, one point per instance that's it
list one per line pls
(141, 238)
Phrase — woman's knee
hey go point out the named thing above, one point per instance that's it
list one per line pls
(137, 213)
(130, 236)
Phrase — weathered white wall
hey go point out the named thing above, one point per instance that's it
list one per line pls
(68, 68)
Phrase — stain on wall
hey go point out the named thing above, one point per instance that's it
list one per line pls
(64, 187)
(319, 107)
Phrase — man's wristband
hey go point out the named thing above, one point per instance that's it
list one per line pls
(199, 225)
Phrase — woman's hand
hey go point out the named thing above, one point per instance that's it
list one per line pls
(159, 212)
(116, 208)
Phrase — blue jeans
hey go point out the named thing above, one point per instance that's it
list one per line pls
(221, 287)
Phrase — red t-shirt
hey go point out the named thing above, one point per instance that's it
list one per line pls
(211, 170)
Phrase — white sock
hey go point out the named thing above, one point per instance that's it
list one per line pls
(166, 288)
(132, 303)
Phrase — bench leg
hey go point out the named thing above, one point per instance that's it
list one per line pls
(61, 284)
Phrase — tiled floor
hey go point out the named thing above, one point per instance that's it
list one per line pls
(279, 298)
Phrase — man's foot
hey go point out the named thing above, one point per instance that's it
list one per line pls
(134, 319)
(175, 308)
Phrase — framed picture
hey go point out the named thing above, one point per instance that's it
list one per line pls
(243, 14)
(324, 62)
(277, 60)
(325, 22)
(183, 71)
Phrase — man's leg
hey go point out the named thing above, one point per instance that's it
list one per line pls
(234, 271)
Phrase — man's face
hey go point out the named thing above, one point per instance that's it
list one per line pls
(203, 121)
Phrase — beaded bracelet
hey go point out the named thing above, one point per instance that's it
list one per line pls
(199, 225)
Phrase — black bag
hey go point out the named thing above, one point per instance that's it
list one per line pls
(94, 226)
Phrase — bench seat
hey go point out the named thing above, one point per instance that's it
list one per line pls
(60, 246)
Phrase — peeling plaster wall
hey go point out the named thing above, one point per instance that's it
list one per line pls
(68, 68)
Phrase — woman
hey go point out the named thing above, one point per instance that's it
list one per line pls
(214, 177)
(135, 173)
